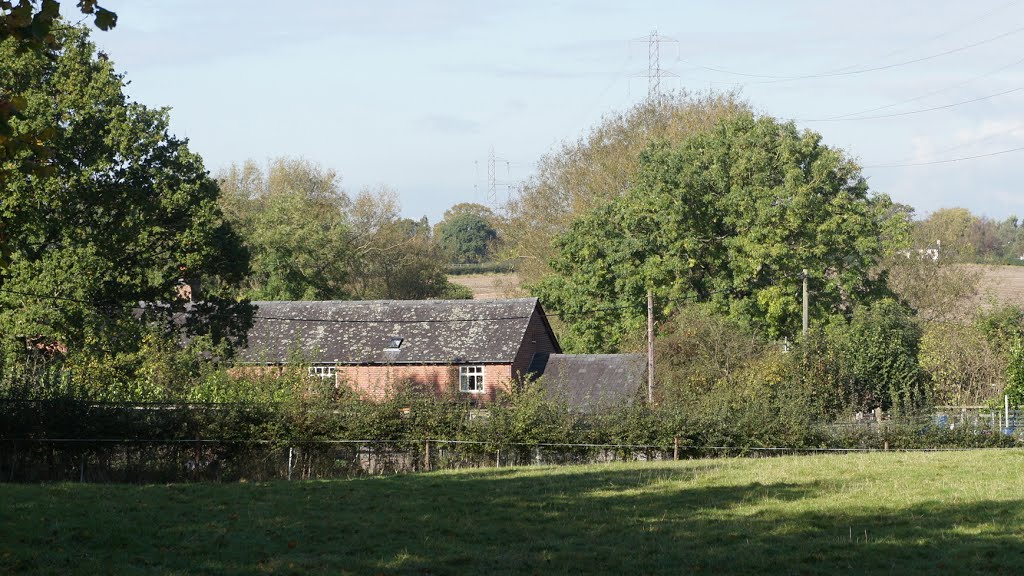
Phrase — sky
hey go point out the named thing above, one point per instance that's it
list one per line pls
(414, 95)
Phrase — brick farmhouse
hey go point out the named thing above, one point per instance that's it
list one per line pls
(474, 347)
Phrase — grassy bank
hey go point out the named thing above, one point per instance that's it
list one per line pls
(921, 513)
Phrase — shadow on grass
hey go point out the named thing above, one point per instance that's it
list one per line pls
(660, 519)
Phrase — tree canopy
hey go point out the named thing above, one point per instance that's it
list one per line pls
(467, 233)
(28, 26)
(730, 216)
(311, 241)
(600, 166)
(123, 213)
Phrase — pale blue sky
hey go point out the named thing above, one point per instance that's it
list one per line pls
(411, 95)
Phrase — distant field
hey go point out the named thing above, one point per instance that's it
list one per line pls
(1001, 285)
(489, 286)
(891, 513)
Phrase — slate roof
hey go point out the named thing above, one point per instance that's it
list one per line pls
(357, 332)
(591, 381)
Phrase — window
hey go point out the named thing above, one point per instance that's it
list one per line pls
(325, 372)
(394, 343)
(471, 379)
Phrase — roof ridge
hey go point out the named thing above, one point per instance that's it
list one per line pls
(438, 301)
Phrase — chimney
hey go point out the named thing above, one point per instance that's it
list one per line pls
(189, 289)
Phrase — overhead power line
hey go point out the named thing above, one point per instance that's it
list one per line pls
(946, 161)
(912, 112)
(772, 79)
(923, 96)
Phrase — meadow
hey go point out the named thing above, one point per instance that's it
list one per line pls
(899, 513)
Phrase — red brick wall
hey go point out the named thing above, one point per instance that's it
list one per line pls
(536, 339)
(376, 381)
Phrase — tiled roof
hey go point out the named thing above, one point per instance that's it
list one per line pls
(590, 381)
(358, 332)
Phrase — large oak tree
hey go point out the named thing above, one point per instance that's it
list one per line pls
(729, 216)
(122, 213)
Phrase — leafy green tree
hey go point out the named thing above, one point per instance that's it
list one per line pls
(602, 165)
(123, 214)
(293, 219)
(28, 26)
(730, 216)
(879, 349)
(467, 238)
(951, 228)
(407, 264)
(311, 241)
(963, 367)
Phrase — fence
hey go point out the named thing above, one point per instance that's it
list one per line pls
(150, 461)
(111, 442)
(983, 419)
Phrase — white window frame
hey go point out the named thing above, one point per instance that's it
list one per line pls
(326, 372)
(471, 379)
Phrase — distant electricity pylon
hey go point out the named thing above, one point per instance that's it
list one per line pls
(654, 70)
(492, 178)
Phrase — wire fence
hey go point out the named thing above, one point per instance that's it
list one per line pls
(84, 441)
(154, 460)
(131, 460)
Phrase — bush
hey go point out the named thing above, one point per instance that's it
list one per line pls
(879, 348)
(963, 367)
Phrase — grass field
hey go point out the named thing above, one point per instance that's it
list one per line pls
(891, 513)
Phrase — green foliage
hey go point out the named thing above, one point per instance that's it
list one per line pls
(963, 367)
(940, 291)
(879, 349)
(1015, 374)
(310, 241)
(961, 236)
(28, 26)
(404, 263)
(581, 175)
(466, 238)
(505, 267)
(123, 213)
(454, 291)
(730, 216)
(1002, 327)
(293, 222)
(698, 351)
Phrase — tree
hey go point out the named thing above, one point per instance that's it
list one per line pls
(311, 241)
(599, 167)
(963, 367)
(880, 348)
(404, 263)
(954, 229)
(28, 26)
(294, 224)
(467, 238)
(730, 216)
(123, 213)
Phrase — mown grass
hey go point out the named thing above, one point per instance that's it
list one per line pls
(884, 513)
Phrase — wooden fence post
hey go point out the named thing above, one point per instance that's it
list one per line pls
(675, 448)
(426, 454)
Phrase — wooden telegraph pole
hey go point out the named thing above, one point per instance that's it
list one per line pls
(805, 303)
(650, 346)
